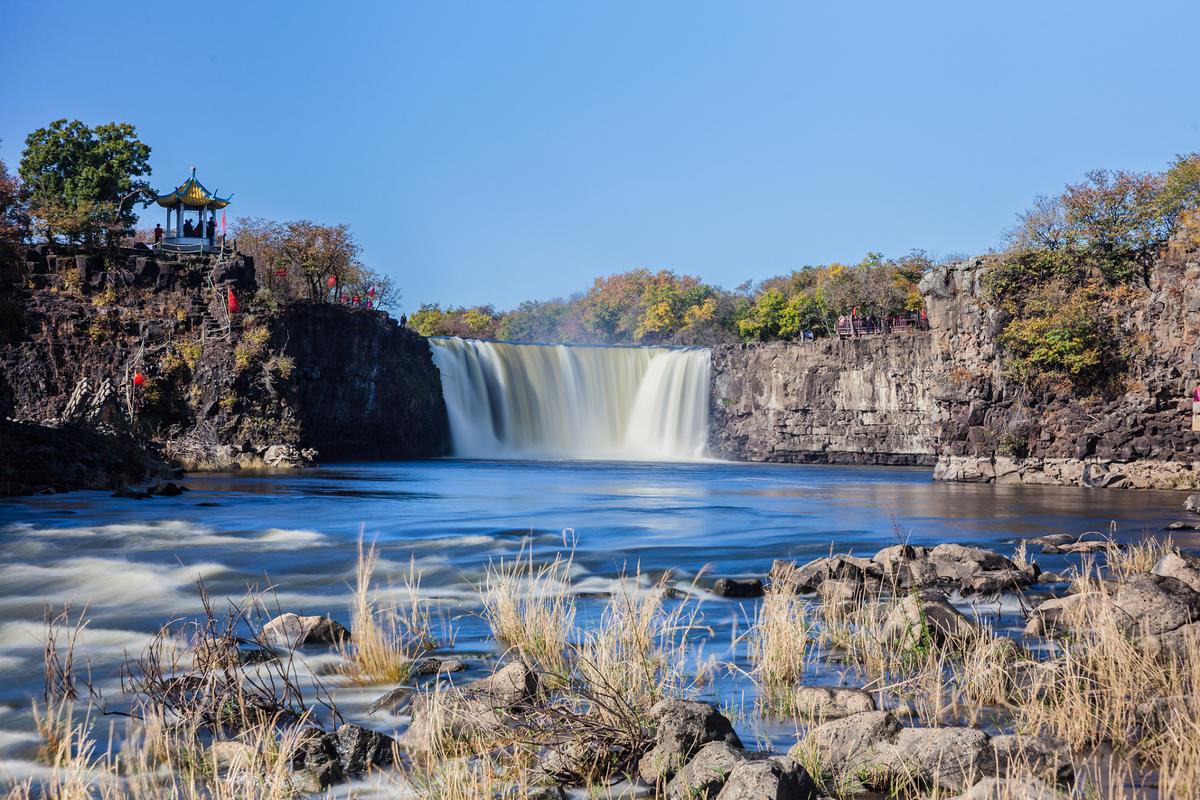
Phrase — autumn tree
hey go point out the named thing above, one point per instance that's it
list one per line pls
(79, 178)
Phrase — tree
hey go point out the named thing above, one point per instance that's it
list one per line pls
(14, 220)
(77, 178)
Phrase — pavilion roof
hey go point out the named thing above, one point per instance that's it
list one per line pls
(193, 195)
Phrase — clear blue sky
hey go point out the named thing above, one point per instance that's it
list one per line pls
(489, 152)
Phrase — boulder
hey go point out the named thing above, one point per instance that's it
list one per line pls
(1180, 566)
(705, 773)
(993, 582)
(845, 746)
(1060, 614)
(360, 748)
(927, 614)
(1192, 503)
(948, 758)
(1012, 789)
(681, 727)
(831, 702)
(481, 708)
(291, 631)
(733, 587)
(315, 763)
(436, 666)
(847, 593)
(957, 562)
(768, 779)
(1155, 604)
(1045, 758)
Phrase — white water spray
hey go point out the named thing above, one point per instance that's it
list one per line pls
(509, 400)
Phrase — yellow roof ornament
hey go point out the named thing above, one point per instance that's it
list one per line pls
(192, 194)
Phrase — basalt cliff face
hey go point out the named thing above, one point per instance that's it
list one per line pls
(943, 398)
(990, 428)
(852, 401)
(144, 348)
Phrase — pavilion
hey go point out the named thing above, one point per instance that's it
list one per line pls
(190, 196)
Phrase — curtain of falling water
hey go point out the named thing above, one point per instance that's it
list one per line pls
(557, 401)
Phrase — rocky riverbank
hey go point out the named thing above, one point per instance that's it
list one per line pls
(151, 346)
(893, 670)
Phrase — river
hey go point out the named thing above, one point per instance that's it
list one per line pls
(134, 563)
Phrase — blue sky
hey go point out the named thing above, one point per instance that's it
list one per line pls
(488, 152)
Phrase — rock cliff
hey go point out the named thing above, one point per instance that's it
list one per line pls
(990, 428)
(943, 397)
(853, 401)
(144, 345)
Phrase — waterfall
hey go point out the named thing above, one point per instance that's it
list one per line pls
(509, 400)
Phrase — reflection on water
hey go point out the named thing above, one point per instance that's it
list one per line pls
(135, 561)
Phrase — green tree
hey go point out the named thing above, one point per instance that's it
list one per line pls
(79, 178)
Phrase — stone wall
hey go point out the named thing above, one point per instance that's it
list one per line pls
(854, 401)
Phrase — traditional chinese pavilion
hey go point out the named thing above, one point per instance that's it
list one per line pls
(190, 197)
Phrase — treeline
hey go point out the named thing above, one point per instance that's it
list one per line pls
(643, 307)
(79, 185)
(1072, 266)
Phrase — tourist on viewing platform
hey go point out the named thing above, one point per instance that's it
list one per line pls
(212, 231)
(187, 227)
(158, 234)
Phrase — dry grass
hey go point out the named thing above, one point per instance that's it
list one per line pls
(1136, 557)
(530, 607)
(779, 637)
(384, 644)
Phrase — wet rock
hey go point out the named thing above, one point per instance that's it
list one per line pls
(1089, 546)
(681, 727)
(315, 762)
(810, 576)
(1051, 577)
(1182, 525)
(167, 489)
(1053, 539)
(359, 748)
(1180, 566)
(993, 582)
(733, 587)
(1060, 614)
(845, 746)
(831, 702)
(948, 758)
(1046, 758)
(1192, 503)
(927, 614)
(768, 779)
(1011, 789)
(288, 456)
(291, 631)
(1155, 604)
(437, 666)
(957, 562)
(395, 701)
(481, 708)
(846, 593)
(705, 773)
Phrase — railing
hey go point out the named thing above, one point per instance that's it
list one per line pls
(853, 327)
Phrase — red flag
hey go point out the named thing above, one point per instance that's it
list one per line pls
(138, 379)
(222, 222)
(371, 292)
(331, 282)
(232, 302)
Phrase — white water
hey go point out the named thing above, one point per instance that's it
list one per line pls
(556, 401)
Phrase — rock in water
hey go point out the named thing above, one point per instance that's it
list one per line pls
(831, 702)
(768, 779)
(733, 587)
(291, 631)
(705, 773)
(681, 728)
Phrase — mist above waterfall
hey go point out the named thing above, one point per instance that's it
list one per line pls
(509, 400)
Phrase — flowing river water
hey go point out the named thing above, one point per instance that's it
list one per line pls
(135, 564)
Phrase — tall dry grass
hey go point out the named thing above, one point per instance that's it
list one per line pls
(385, 643)
(530, 607)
